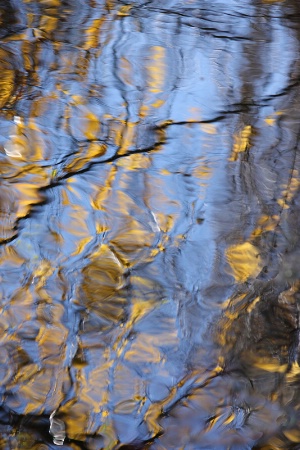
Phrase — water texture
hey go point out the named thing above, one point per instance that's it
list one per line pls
(149, 224)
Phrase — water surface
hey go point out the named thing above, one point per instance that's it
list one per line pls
(149, 224)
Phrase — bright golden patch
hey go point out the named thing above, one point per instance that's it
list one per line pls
(131, 240)
(158, 103)
(282, 203)
(293, 373)
(86, 154)
(127, 137)
(270, 365)
(241, 142)
(135, 162)
(48, 23)
(92, 125)
(92, 34)
(244, 261)
(292, 435)
(124, 10)
(265, 223)
(270, 121)
(6, 85)
(253, 304)
(51, 3)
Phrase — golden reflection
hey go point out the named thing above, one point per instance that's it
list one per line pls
(241, 142)
(126, 72)
(244, 261)
(270, 121)
(51, 341)
(135, 162)
(293, 373)
(92, 126)
(126, 138)
(103, 192)
(293, 435)
(102, 286)
(92, 34)
(270, 365)
(156, 69)
(158, 103)
(131, 240)
(208, 128)
(6, 85)
(124, 10)
(264, 224)
(253, 305)
(143, 350)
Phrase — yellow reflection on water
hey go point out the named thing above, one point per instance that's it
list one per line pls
(244, 261)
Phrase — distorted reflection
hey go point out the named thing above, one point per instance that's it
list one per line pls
(149, 224)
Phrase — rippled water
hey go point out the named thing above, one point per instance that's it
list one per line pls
(149, 224)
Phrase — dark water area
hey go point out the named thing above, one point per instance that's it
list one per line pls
(149, 225)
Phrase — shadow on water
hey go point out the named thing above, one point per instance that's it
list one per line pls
(149, 238)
